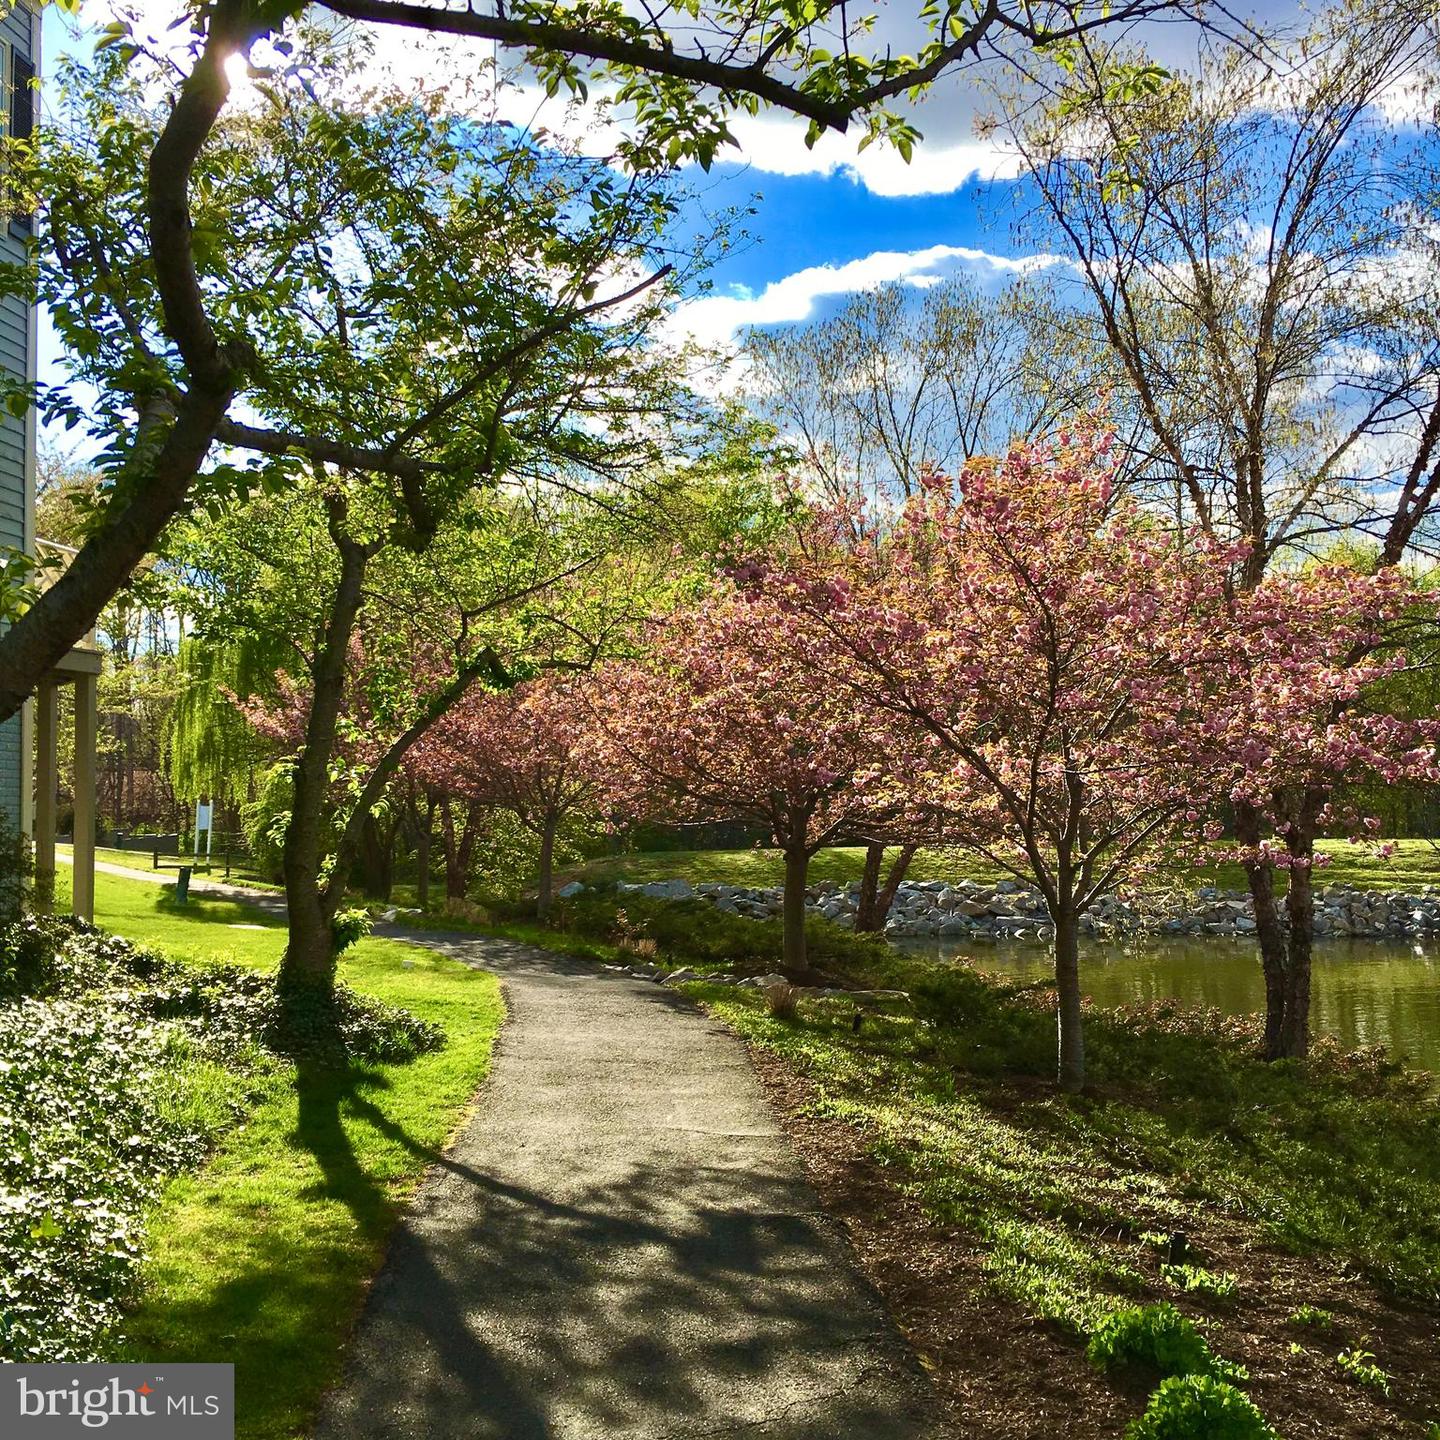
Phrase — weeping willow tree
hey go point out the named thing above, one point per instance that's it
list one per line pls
(213, 751)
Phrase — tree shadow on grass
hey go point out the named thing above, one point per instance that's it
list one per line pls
(322, 1093)
(284, 1275)
(208, 909)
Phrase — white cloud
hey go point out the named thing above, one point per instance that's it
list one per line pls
(775, 145)
(716, 319)
(770, 143)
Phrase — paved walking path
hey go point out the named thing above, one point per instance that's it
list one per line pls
(620, 1244)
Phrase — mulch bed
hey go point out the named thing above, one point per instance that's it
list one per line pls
(1004, 1376)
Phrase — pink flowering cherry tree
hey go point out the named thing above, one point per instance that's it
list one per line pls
(722, 721)
(1296, 664)
(1028, 634)
(526, 751)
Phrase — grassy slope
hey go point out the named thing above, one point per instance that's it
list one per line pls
(1415, 863)
(262, 1257)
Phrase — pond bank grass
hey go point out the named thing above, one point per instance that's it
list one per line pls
(1190, 1174)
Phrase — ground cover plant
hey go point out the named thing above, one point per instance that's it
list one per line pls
(235, 1188)
(120, 1068)
(1169, 1224)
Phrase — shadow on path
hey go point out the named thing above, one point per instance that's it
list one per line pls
(620, 1244)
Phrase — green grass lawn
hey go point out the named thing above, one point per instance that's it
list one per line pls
(240, 873)
(169, 864)
(263, 1256)
(1415, 863)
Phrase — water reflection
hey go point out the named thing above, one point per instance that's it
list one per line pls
(1365, 992)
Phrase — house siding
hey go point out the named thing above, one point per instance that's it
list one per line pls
(21, 31)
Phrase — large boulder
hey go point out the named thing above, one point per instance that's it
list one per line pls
(668, 889)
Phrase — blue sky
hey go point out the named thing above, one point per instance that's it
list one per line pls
(827, 222)
(812, 220)
(815, 212)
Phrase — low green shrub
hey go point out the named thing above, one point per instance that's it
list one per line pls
(224, 1008)
(47, 955)
(1199, 1407)
(350, 1027)
(16, 871)
(88, 1141)
(695, 932)
(1157, 1338)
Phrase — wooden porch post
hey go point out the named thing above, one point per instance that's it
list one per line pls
(46, 721)
(86, 737)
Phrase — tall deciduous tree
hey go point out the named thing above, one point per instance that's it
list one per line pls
(190, 354)
(1256, 240)
(450, 330)
(1305, 664)
(1027, 634)
(477, 604)
(1247, 237)
(898, 381)
(1082, 690)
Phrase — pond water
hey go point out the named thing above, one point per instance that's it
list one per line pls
(1364, 992)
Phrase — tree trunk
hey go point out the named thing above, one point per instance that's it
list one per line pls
(308, 963)
(1070, 1025)
(797, 870)
(1269, 932)
(424, 832)
(893, 881)
(450, 839)
(866, 918)
(459, 846)
(377, 859)
(873, 908)
(547, 868)
(307, 968)
(1300, 908)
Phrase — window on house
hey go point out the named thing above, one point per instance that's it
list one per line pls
(22, 97)
(17, 114)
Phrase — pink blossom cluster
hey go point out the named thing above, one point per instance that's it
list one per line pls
(528, 750)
